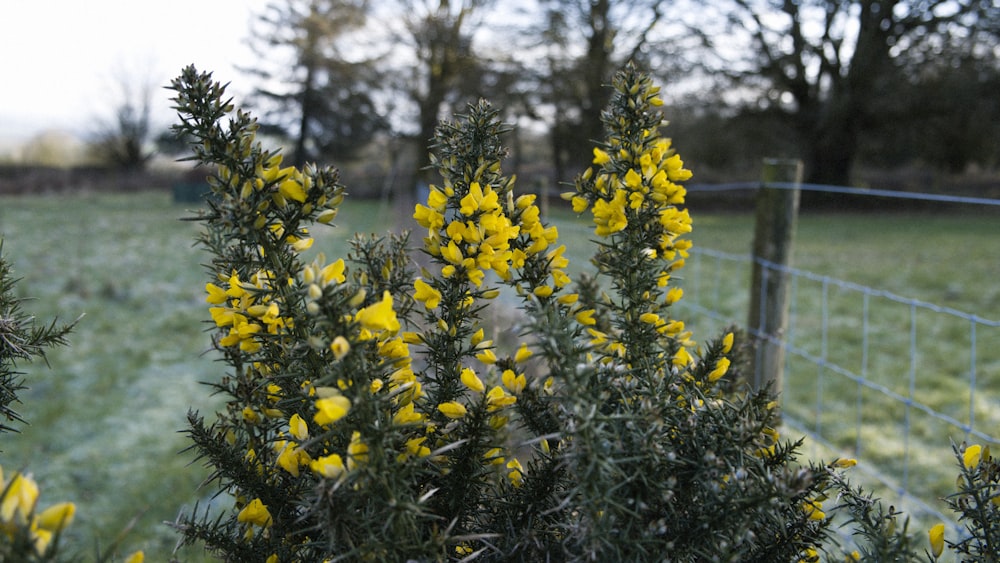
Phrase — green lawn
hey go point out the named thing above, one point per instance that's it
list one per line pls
(105, 416)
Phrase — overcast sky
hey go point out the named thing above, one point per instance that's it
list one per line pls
(61, 59)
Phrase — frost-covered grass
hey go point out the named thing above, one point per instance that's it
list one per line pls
(105, 416)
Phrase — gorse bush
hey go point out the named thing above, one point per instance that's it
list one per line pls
(369, 416)
(372, 414)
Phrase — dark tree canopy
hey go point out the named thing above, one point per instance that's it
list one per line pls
(835, 68)
(318, 94)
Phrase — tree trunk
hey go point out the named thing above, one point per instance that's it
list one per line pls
(831, 151)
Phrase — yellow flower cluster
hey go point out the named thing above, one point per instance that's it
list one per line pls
(247, 309)
(476, 239)
(648, 185)
(469, 232)
(282, 185)
(18, 500)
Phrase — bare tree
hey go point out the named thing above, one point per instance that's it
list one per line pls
(831, 67)
(122, 141)
(437, 69)
(584, 43)
(315, 87)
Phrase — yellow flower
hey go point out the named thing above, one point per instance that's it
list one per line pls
(452, 253)
(516, 474)
(600, 157)
(255, 513)
(291, 456)
(720, 369)
(814, 510)
(19, 498)
(674, 295)
(512, 381)
(216, 295)
(297, 427)
(487, 356)
(333, 272)
(136, 557)
(727, 343)
(406, 415)
(56, 517)
(357, 451)
(331, 409)
(472, 381)
(429, 218)
(936, 537)
(300, 245)
(586, 317)
(329, 467)
(522, 354)
(632, 179)
(41, 538)
(380, 315)
(569, 298)
(426, 294)
(649, 318)
(844, 463)
(452, 409)
(479, 200)
(291, 189)
(340, 347)
(609, 215)
(497, 398)
(972, 455)
(542, 291)
(414, 447)
(475, 276)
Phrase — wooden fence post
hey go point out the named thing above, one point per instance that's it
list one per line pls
(777, 213)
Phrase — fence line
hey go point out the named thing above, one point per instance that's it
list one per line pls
(814, 344)
(844, 190)
(702, 258)
(916, 414)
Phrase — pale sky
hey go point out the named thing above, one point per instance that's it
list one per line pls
(60, 59)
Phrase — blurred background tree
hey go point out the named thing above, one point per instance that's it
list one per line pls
(122, 142)
(316, 83)
(841, 84)
(585, 42)
(838, 72)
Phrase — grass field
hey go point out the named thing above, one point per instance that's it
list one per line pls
(105, 417)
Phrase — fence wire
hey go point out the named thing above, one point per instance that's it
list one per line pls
(816, 323)
(856, 364)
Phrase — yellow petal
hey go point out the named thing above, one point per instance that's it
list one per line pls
(452, 409)
(972, 455)
(936, 537)
(57, 517)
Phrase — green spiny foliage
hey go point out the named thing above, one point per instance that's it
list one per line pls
(21, 338)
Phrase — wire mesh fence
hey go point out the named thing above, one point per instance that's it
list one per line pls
(870, 374)
(859, 380)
